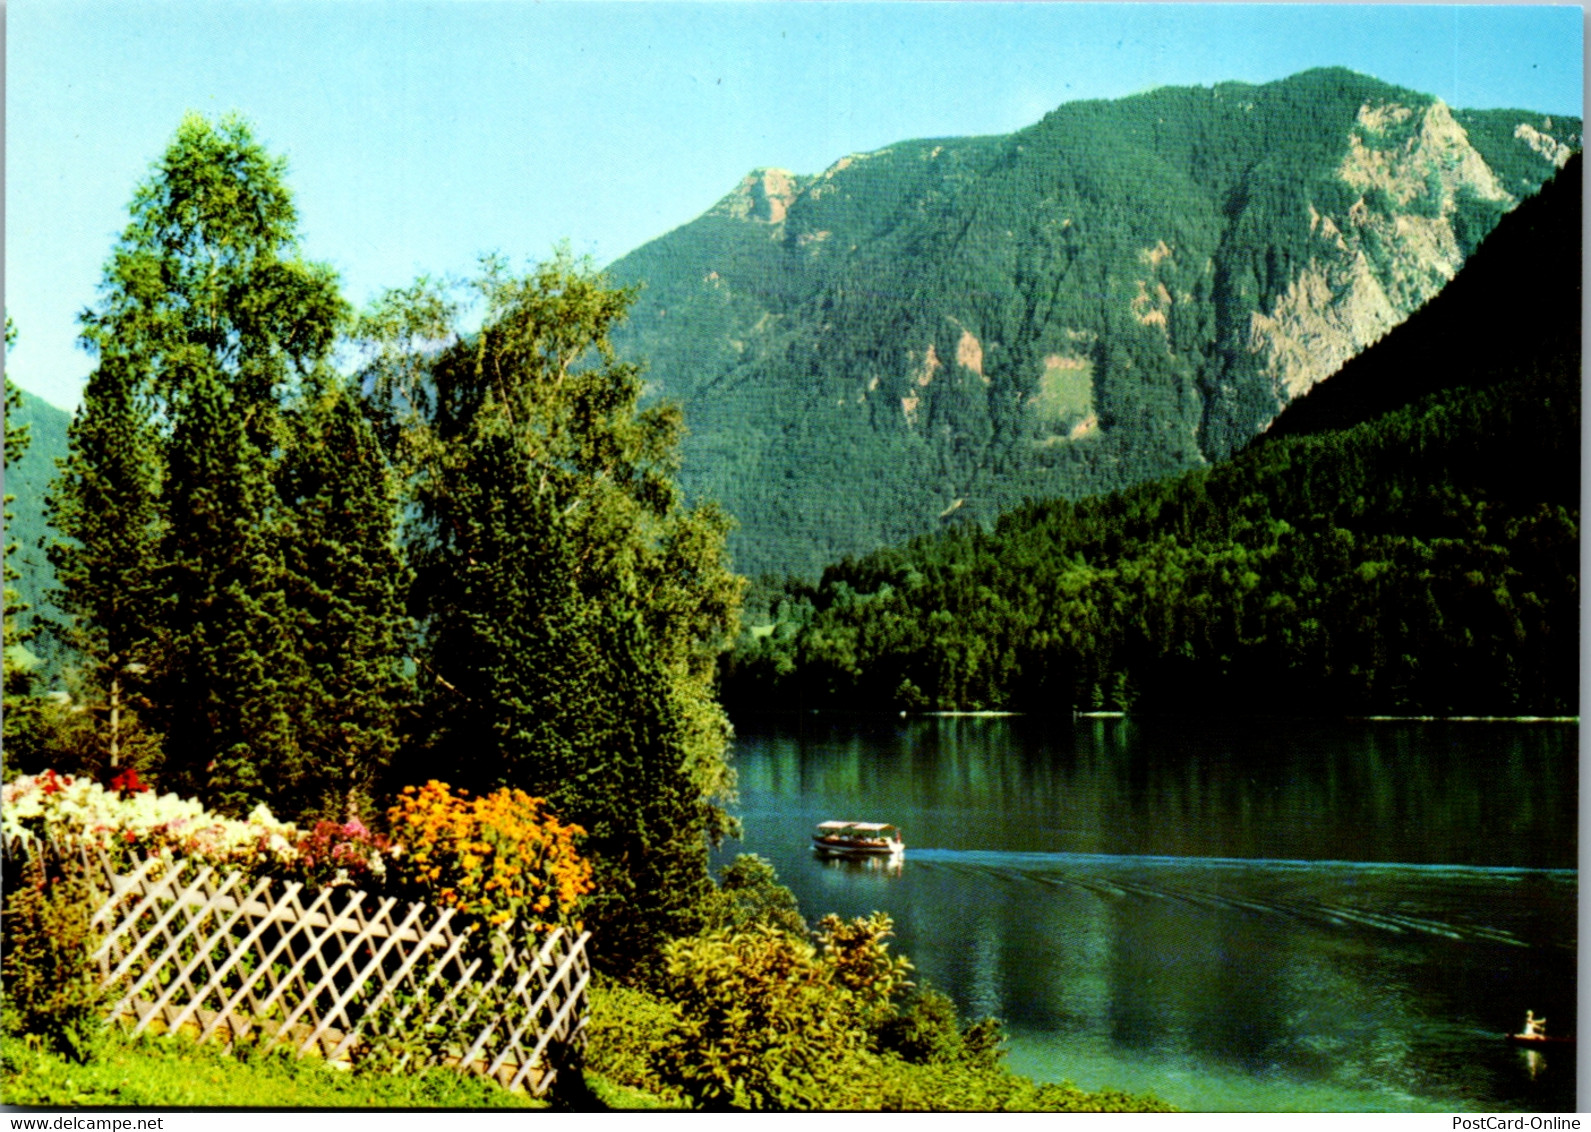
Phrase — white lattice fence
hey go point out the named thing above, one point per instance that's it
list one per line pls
(188, 948)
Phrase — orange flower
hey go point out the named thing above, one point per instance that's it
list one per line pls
(501, 856)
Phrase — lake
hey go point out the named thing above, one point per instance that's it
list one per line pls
(1307, 915)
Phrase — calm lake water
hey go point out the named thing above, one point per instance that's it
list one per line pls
(1299, 915)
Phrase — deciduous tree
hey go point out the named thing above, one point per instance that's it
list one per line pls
(571, 606)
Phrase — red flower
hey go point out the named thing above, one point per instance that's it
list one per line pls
(128, 782)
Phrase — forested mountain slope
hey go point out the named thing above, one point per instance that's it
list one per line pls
(29, 481)
(1421, 561)
(938, 330)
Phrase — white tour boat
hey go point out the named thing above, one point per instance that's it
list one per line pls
(858, 839)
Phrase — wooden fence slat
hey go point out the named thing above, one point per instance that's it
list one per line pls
(510, 1044)
(540, 963)
(494, 977)
(180, 980)
(534, 1061)
(224, 901)
(534, 1013)
(234, 957)
(154, 891)
(491, 1023)
(138, 879)
(256, 1008)
(424, 943)
(359, 980)
(457, 989)
(307, 1003)
(294, 979)
(455, 945)
(160, 927)
(316, 941)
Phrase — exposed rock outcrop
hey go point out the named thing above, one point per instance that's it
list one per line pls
(1393, 250)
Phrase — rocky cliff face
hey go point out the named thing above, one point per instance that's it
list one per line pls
(1395, 247)
(935, 331)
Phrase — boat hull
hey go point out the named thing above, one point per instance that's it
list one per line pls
(830, 849)
(1533, 1041)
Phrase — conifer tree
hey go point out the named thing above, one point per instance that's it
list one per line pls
(16, 443)
(214, 339)
(20, 711)
(347, 584)
(105, 507)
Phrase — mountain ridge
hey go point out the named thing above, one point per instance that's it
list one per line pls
(1120, 291)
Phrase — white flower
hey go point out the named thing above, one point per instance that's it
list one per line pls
(82, 810)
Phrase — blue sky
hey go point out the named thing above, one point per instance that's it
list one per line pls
(421, 134)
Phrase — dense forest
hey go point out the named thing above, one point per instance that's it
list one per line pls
(1419, 560)
(40, 429)
(932, 333)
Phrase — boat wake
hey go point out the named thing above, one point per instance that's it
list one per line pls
(1408, 900)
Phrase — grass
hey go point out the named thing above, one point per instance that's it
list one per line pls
(175, 1072)
(625, 1097)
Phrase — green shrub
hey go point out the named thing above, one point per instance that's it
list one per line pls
(626, 1025)
(926, 1029)
(749, 893)
(983, 1043)
(863, 967)
(761, 1022)
(51, 989)
(763, 1019)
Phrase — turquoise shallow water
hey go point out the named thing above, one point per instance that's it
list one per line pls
(1273, 916)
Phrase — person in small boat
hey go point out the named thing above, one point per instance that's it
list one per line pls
(1534, 1027)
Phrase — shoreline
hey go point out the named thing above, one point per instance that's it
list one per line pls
(1078, 715)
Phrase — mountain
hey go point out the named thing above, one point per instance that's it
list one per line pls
(1420, 560)
(933, 332)
(28, 481)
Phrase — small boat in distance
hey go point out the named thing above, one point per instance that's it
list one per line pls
(1534, 1034)
(857, 839)
(1536, 1040)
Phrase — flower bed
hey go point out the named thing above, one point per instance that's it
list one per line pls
(491, 977)
(136, 820)
(502, 856)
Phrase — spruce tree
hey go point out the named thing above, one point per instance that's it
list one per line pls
(347, 584)
(19, 711)
(16, 443)
(213, 336)
(231, 689)
(104, 504)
